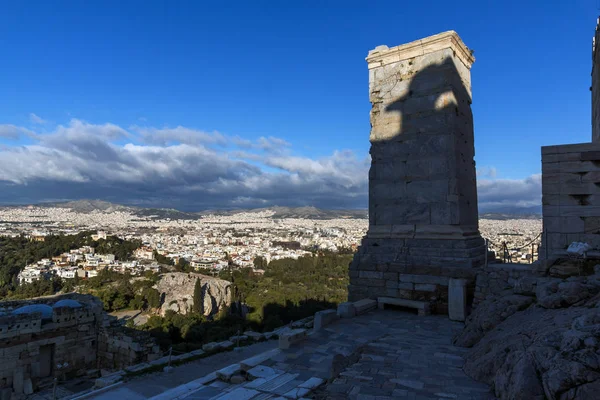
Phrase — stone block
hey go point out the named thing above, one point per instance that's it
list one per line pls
(312, 383)
(239, 394)
(437, 280)
(226, 373)
(426, 287)
(27, 387)
(262, 371)
(137, 367)
(226, 345)
(296, 393)
(5, 394)
(391, 284)
(18, 381)
(256, 336)
(291, 337)
(370, 274)
(109, 380)
(365, 305)
(457, 299)
(198, 352)
(422, 307)
(252, 362)
(324, 318)
(212, 346)
(346, 310)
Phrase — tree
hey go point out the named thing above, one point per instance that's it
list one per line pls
(119, 302)
(260, 262)
(162, 259)
(137, 303)
(152, 297)
(229, 266)
(198, 301)
(183, 265)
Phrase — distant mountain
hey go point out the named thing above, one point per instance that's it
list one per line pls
(297, 212)
(534, 212)
(87, 206)
(164, 213)
(504, 217)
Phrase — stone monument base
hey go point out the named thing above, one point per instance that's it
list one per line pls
(414, 268)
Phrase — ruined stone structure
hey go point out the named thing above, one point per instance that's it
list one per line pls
(571, 183)
(423, 218)
(69, 330)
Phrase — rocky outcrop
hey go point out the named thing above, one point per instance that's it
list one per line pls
(543, 343)
(177, 293)
(490, 314)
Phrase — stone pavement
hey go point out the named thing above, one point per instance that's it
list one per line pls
(148, 385)
(380, 355)
(412, 358)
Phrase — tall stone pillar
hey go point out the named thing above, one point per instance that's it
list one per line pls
(423, 218)
(596, 85)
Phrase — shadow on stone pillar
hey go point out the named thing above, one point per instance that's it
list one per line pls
(423, 217)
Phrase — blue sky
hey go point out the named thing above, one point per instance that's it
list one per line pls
(292, 73)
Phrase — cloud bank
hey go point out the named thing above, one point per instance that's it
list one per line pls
(191, 169)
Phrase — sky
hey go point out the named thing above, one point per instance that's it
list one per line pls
(194, 105)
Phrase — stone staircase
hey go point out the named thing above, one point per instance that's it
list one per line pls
(255, 378)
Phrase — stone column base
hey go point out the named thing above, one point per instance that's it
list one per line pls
(414, 269)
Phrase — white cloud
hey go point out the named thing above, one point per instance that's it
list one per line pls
(9, 131)
(489, 172)
(36, 119)
(189, 168)
(178, 134)
(195, 167)
(500, 193)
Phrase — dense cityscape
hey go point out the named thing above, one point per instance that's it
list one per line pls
(212, 241)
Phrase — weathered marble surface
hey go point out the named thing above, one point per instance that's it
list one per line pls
(422, 190)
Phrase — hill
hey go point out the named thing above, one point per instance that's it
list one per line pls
(297, 212)
(307, 212)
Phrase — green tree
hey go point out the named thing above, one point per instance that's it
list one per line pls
(152, 297)
(183, 265)
(198, 301)
(162, 259)
(260, 262)
(120, 302)
(137, 303)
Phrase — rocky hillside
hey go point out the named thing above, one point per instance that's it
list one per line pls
(539, 340)
(177, 292)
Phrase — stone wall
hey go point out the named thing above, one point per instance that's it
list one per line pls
(80, 339)
(120, 347)
(497, 278)
(570, 196)
(596, 86)
(571, 184)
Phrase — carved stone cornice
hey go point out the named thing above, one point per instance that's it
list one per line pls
(383, 55)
